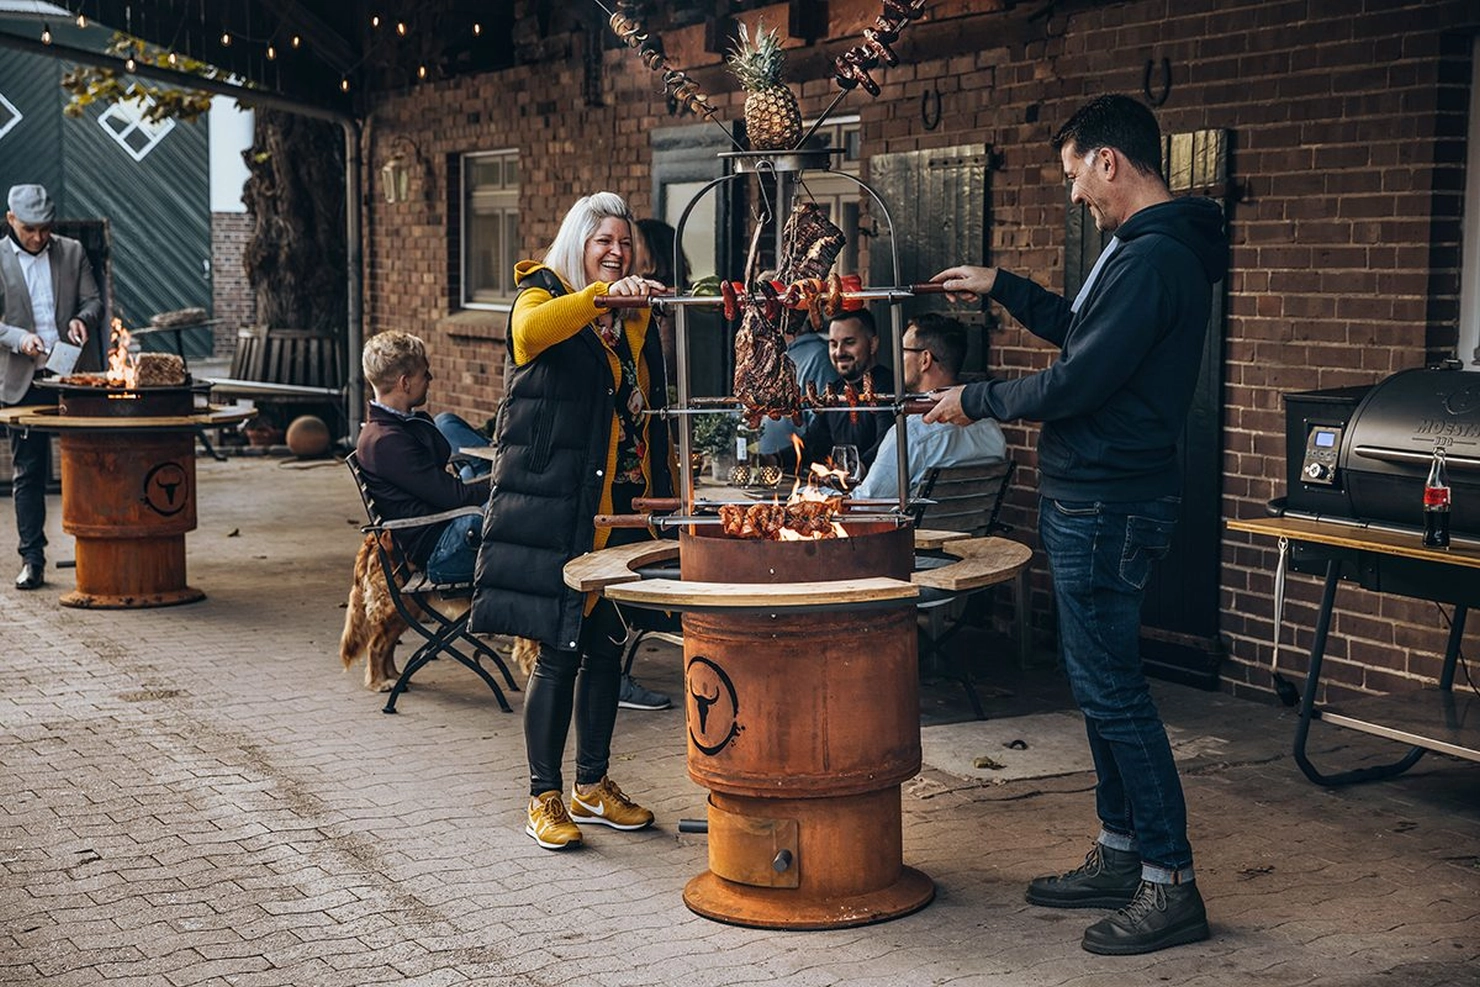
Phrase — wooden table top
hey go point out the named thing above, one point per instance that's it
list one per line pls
(44, 418)
(1408, 544)
(979, 562)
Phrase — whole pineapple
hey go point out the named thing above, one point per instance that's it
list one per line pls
(772, 117)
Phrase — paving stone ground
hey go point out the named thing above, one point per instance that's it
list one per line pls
(199, 795)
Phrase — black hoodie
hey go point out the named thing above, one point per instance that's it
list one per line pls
(1114, 402)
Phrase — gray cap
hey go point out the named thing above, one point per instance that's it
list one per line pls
(31, 205)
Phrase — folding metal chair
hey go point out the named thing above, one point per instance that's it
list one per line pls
(422, 603)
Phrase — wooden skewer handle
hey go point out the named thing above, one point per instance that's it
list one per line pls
(655, 503)
(622, 520)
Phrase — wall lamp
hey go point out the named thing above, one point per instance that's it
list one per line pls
(397, 172)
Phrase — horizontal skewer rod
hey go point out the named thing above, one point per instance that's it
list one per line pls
(679, 520)
(756, 298)
(729, 402)
(918, 407)
(672, 504)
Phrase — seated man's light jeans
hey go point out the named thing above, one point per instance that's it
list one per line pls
(456, 553)
(460, 434)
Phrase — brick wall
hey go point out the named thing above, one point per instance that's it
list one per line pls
(232, 300)
(1348, 123)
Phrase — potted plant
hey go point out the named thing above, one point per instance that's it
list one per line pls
(714, 435)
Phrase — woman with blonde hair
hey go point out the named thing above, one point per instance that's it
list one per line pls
(574, 441)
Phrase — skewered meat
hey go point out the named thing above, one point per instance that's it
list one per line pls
(812, 518)
(765, 377)
(851, 67)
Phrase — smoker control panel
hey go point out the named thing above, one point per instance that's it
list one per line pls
(1322, 443)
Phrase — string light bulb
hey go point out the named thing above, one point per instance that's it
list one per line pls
(375, 20)
(421, 72)
(271, 52)
(225, 39)
(297, 41)
(477, 30)
(46, 34)
(130, 64)
(82, 20)
(174, 59)
(401, 28)
(344, 85)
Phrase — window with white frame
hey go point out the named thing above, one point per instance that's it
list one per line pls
(127, 122)
(490, 228)
(839, 197)
(9, 115)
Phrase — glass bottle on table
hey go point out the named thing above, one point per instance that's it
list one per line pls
(1436, 502)
(747, 455)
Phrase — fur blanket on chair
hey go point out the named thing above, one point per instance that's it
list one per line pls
(373, 627)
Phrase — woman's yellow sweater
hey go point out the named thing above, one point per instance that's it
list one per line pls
(541, 320)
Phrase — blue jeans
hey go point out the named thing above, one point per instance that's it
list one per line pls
(460, 434)
(1101, 556)
(456, 553)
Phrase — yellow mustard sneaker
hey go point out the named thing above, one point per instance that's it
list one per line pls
(549, 824)
(604, 803)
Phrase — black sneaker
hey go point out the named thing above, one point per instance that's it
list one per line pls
(1108, 878)
(633, 695)
(1161, 915)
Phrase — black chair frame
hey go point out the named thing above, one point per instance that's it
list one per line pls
(420, 601)
(970, 504)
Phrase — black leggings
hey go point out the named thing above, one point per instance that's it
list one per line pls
(586, 682)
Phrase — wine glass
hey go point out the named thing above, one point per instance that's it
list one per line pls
(846, 458)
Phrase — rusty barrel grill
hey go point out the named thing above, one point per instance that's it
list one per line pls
(803, 725)
(128, 487)
(802, 712)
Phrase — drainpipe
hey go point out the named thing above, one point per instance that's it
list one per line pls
(354, 332)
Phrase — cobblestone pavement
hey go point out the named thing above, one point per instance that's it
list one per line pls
(199, 795)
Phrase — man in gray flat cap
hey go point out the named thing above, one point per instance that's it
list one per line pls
(47, 293)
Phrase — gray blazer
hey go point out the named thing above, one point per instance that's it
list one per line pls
(77, 298)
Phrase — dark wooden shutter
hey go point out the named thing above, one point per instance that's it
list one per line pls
(940, 203)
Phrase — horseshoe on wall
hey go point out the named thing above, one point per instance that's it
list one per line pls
(1158, 98)
(930, 108)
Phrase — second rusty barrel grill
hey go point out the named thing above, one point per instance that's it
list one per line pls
(803, 725)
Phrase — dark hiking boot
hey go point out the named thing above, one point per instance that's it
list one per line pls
(1107, 879)
(1161, 915)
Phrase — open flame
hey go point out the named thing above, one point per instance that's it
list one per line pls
(809, 514)
(121, 369)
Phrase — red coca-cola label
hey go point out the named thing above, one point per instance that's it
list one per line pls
(1434, 497)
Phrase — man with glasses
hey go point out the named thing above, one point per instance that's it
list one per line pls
(934, 350)
(47, 294)
(1113, 405)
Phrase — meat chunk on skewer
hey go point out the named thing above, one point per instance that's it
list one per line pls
(765, 377)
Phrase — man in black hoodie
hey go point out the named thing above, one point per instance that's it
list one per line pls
(1112, 407)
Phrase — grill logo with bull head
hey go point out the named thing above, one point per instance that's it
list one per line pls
(713, 707)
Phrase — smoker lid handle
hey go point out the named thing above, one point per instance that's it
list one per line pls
(1422, 458)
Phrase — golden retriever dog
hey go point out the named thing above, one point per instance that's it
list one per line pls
(373, 627)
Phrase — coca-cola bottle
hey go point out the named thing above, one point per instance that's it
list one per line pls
(1436, 504)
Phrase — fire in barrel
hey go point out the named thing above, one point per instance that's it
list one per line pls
(128, 478)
